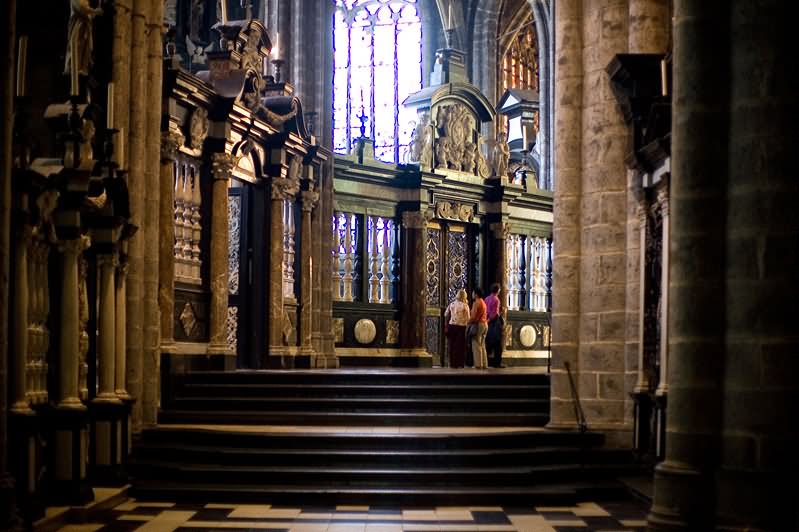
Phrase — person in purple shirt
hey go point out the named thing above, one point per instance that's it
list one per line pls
(496, 326)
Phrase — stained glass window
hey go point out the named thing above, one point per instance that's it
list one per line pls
(377, 64)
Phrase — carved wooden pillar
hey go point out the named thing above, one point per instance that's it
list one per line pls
(412, 327)
(221, 168)
(171, 141)
(309, 201)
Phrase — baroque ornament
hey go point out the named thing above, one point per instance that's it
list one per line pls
(171, 141)
(188, 319)
(198, 128)
(338, 330)
(455, 211)
(365, 331)
(392, 331)
(527, 336)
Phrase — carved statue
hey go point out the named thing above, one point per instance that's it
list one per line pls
(414, 152)
(442, 152)
(86, 150)
(456, 151)
(469, 158)
(197, 54)
(80, 35)
(501, 155)
(198, 128)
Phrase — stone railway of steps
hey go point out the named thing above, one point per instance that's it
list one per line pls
(380, 437)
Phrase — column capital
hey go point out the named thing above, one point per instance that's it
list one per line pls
(74, 246)
(500, 230)
(284, 188)
(310, 199)
(415, 219)
(222, 165)
(171, 141)
(663, 200)
(107, 260)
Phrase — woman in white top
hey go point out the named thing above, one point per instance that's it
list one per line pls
(457, 318)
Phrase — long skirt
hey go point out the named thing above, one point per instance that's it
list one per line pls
(456, 336)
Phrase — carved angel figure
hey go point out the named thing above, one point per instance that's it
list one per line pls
(197, 54)
(469, 158)
(80, 35)
(501, 155)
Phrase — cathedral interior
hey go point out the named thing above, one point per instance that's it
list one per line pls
(232, 233)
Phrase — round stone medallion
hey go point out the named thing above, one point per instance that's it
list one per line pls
(527, 336)
(365, 331)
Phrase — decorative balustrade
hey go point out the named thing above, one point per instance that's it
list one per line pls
(188, 228)
(369, 253)
(38, 314)
(529, 272)
(289, 253)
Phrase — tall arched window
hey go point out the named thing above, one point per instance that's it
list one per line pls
(520, 60)
(378, 63)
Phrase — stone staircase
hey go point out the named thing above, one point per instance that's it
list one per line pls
(389, 437)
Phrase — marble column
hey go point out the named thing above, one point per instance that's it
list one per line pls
(280, 192)
(412, 326)
(642, 379)
(500, 232)
(221, 168)
(663, 203)
(136, 185)
(566, 227)
(171, 141)
(106, 268)
(317, 250)
(19, 345)
(309, 200)
(685, 494)
(69, 317)
(120, 324)
(120, 57)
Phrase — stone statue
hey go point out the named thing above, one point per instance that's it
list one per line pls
(197, 54)
(442, 152)
(469, 158)
(501, 155)
(414, 152)
(80, 36)
(86, 149)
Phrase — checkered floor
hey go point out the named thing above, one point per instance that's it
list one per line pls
(162, 517)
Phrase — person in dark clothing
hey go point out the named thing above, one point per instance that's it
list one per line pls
(496, 326)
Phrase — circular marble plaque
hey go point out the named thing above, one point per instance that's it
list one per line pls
(365, 331)
(527, 336)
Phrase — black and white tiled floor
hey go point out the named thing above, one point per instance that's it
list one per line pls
(162, 517)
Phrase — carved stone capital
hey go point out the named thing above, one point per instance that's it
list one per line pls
(107, 260)
(122, 267)
(222, 165)
(414, 219)
(171, 141)
(663, 201)
(500, 230)
(284, 188)
(640, 213)
(74, 246)
(309, 200)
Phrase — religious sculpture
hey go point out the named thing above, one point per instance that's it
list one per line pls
(197, 54)
(80, 43)
(442, 152)
(198, 128)
(501, 155)
(469, 158)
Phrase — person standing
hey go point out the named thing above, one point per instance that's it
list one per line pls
(496, 326)
(457, 316)
(478, 323)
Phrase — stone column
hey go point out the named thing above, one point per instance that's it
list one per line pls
(136, 185)
(121, 58)
(650, 26)
(317, 250)
(759, 439)
(152, 322)
(19, 344)
(69, 318)
(566, 228)
(120, 324)
(309, 201)
(684, 482)
(171, 141)
(106, 267)
(221, 168)
(412, 326)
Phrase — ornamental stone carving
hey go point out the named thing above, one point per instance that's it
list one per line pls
(309, 200)
(365, 331)
(501, 155)
(500, 230)
(198, 128)
(171, 141)
(455, 211)
(392, 331)
(527, 336)
(188, 319)
(338, 330)
(222, 165)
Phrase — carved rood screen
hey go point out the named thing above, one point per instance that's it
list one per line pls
(377, 65)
